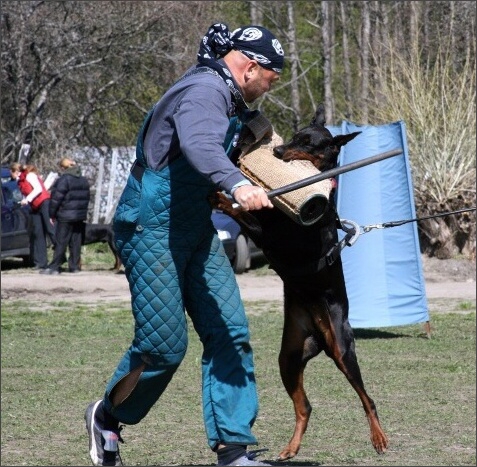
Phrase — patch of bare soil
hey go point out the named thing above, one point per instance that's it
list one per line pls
(448, 270)
(454, 278)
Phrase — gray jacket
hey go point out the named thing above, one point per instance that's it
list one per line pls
(191, 119)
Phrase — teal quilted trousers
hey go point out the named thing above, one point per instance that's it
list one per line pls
(175, 262)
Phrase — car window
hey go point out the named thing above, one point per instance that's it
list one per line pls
(17, 195)
(11, 194)
(5, 174)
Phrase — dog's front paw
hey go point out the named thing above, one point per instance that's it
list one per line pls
(287, 453)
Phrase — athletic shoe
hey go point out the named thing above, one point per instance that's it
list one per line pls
(103, 444)
(248, 459)
(51, 272)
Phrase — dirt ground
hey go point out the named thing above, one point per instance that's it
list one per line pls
(444, 279)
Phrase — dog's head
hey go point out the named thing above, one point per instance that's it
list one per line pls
(315, 143)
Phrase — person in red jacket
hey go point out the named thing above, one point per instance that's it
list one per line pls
(38, 197)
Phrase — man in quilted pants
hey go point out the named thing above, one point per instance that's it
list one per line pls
(173, 258)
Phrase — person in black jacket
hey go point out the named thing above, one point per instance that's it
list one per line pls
(68, 210)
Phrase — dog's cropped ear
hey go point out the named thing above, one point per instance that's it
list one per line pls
(341, 140)
(319, 118)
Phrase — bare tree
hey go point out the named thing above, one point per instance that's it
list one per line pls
(414, 24)
(365, 71)
(346, 60)
(256, 14)
(293, 57)
(426, 25)
(83, 73)
(326, 35)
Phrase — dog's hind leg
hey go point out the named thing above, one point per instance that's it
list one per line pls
(117, 259)
(114, 251)
(340, 346)
(297, 348)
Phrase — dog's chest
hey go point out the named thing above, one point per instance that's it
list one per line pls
(292, 242)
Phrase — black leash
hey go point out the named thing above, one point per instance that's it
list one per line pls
(367, 228)
(352, 232)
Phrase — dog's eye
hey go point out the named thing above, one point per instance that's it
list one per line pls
(301, 139)
(320, 142)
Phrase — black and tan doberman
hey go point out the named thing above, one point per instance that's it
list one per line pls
(315, 298)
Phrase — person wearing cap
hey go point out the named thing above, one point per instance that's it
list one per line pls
(175, 262)
(70, 196)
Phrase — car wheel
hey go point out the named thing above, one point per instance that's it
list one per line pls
(242, 255)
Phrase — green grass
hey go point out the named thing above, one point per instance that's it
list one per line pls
(55, 362)
(97, 256)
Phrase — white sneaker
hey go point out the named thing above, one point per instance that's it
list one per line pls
(248, 459)
(103, 444)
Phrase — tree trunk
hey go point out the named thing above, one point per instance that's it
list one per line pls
(292, 50)
(326, 36)
(365, 35)
(256, 13)
(346, 61)
(415, 20)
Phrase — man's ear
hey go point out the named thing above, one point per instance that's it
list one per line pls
(251, 67)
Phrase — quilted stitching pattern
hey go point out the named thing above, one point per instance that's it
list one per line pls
(127, 211)
(174, 259)
(165, 243)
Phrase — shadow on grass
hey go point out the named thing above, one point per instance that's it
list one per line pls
(291, 463)
(377, 334)
(269, 462)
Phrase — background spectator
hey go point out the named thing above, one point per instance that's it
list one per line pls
(38, 197)
(68, 209)
(15, 170)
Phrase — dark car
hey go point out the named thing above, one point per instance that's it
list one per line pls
(239, 248)
(5, 174)
(16, 224)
